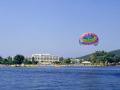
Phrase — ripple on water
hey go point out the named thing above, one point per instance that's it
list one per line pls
(62, 78)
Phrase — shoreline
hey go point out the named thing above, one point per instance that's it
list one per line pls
(55, 65)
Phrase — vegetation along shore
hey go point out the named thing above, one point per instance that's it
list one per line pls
(98, 58)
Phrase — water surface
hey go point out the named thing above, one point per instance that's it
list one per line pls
(62, 78)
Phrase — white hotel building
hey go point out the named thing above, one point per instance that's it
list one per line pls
(45, 58)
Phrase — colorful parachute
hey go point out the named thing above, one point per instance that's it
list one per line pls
(89, 39)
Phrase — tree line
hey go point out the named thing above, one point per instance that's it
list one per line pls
(18, 59)
(97, 58)
(104, 58)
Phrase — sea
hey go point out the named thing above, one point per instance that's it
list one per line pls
(60, 78)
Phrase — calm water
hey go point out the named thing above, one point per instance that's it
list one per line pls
(63, 78)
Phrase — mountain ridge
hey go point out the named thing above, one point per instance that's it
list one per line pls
(116, 52)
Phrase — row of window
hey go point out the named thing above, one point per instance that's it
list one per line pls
(46, 58)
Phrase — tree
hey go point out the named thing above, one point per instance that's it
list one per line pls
(99, 57)
(61, 59)
(117, 59)
(18, 59)
(5, 61)
(26, 61)
(67, 61)
(10, 60)
(102, 57)
(34, 61)
(57, 62)
(1, 60)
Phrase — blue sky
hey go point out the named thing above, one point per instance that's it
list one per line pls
(54, 26)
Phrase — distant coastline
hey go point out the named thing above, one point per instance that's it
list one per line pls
(98, 58)
(56, 65)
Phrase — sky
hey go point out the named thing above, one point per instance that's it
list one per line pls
(54, 26)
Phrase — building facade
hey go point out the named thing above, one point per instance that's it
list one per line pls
(45, 58)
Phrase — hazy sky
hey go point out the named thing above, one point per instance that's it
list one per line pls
(54, 26)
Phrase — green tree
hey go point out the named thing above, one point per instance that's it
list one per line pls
(5, 61)
(99, 57)
(57, 62)
(26, 61)
(117, 59)
(34, 61)
(10, 60)
(18, 59)
(1, 60)
(61, 59)
(102, 57)
(67, 61)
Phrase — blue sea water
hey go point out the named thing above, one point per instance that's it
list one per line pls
(61, 78)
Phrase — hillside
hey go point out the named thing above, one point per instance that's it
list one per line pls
(116, 52)
(85, 57)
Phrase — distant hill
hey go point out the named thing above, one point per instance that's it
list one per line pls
(85, 57)
(116, 52)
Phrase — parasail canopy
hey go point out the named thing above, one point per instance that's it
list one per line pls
(89, 38)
